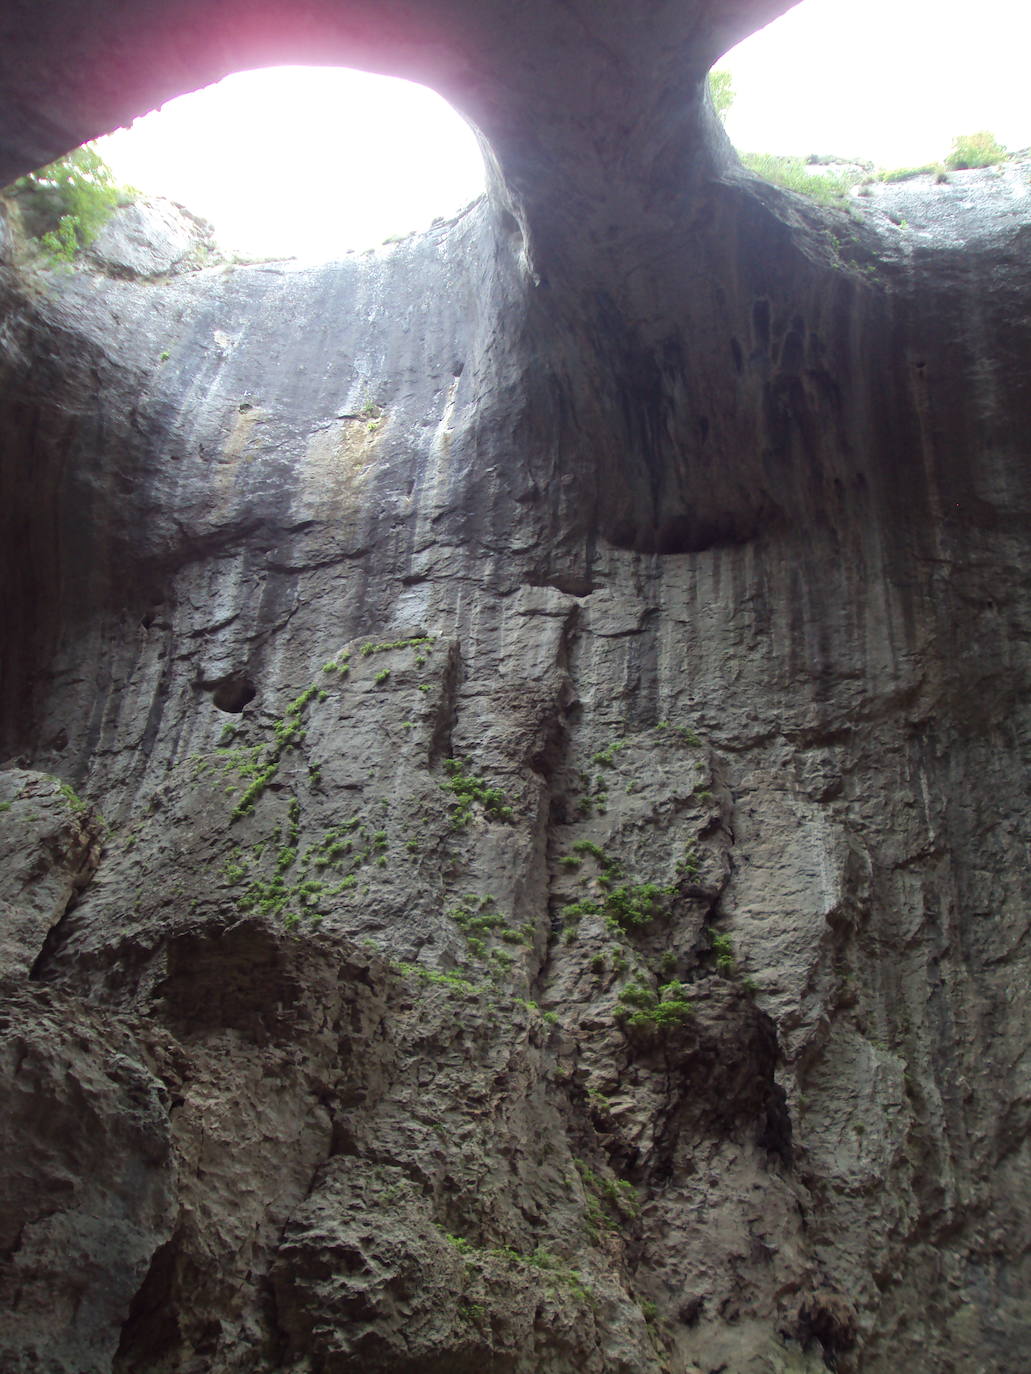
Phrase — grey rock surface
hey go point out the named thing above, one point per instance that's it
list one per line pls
(558, 690)
(151, 238)
(976, 205)
(50, 845)
(89, 1180)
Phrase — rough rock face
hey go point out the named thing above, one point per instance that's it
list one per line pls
(89, 1192)
(152, 238)
(50, 846)
(558, 704)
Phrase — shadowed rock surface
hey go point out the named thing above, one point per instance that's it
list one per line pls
(557, 694)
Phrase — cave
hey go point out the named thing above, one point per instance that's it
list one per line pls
(515, 786)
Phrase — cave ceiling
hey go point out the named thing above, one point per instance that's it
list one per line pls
(618, 83)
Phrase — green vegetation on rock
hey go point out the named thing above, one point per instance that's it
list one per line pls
(67, 203)
(479, 921)
(558, 1275)
(724, 952)
(795, 174)
(431, 975)
(611, 1202)
(606, 758)
(975, 150)
(415, 643)
(721, 92)
(471, 791)
(72, 797)
(908, 173)
(625, 906)
(650, 1013)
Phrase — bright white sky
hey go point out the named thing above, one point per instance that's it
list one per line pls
(890, 81)
(305, 161)
(314, 161)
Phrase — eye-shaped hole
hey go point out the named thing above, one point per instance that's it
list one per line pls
(308, 162)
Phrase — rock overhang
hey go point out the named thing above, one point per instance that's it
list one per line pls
(534, 79)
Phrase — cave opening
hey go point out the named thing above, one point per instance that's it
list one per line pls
(894, 89)
(305, 162)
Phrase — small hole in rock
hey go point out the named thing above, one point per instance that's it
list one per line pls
(233, 693)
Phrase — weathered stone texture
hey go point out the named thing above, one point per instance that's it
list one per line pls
(88, 1179)
(560, 708)
(50, 845)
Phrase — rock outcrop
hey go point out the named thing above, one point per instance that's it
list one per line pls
(557, 700)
